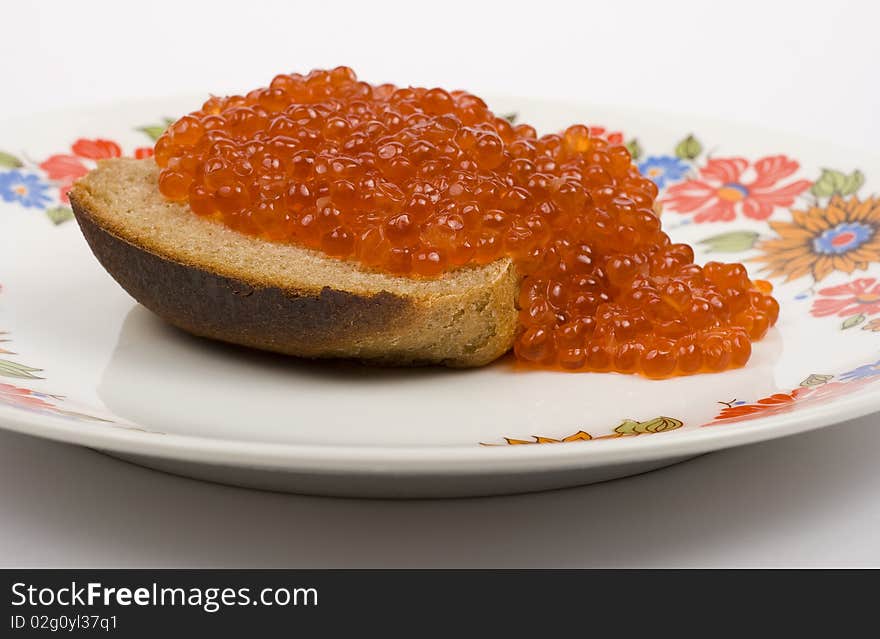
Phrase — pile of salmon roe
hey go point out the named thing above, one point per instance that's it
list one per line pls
(416, 182)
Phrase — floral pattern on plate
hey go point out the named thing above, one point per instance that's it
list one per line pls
(834, 231)
(810, 229)
(814, 389)
(43, 185)
(28, 399)
(627, 428)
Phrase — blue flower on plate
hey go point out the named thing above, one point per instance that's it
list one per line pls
(843, 238)
(26, 189)
(862, 372)
(663, 169)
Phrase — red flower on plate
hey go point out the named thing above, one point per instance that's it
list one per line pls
(23, 398)
(776, 403)
(785, 402)
(96, 149)
(859, 296)
(726, 187)
(66, 169)
(62, 167)
(615, 137)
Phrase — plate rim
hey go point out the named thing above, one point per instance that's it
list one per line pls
(443, 459)
(413, 460)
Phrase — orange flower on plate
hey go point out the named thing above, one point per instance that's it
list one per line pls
(580, 436)
(842, 236)
(626, 428)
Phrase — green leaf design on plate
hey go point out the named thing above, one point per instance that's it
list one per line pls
(656, 425)
(9, 161)
(833, 182)
(634, 148)
(689, 148)
(854, 320)
(853, 182)
(510, 117)
(730, 242)
(59, 214)
(13, 369)
(155, 130)
(816, 380)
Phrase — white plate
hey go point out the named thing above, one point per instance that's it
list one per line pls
(85, 364)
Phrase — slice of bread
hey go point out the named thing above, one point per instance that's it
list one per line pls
(215, 282)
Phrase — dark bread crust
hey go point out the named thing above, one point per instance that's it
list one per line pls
(228, 309)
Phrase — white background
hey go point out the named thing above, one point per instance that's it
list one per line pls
(807, 68)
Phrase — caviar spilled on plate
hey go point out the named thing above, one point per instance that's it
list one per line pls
(416, 182)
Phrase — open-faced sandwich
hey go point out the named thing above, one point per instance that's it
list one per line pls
(322, 216)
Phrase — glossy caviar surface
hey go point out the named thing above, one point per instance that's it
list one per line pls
(416, 182)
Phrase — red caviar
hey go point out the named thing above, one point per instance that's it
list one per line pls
(417, 182)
